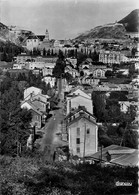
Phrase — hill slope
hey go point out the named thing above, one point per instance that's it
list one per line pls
(3, 32)
(131, 21)
(109, 31)
(13, 34)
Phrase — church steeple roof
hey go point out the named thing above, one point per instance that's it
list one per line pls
(46, 35)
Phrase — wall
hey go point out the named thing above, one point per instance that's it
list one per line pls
(30, 90)
(79, 101)
(90, 139)
(36, 119)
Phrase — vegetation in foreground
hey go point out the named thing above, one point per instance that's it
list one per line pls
(32, 176)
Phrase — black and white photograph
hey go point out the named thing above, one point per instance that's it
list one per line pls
(69, 97)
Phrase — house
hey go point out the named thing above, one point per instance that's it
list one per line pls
(33, 65)
(41, 97)
(137, 65)
(110, 57)
(73, 61)
(57, 44)
(82, 133)
(31, 91)
(38, 117)
(4, 66)
(47, 71)
(74, 73)
(37, 103)
(85, 66)
(90, 80)
(80, 92)
(32, 42)
(99, 73)
(74, 101)
(124, 105)
(22, 58)
(46, 60)
(49, 79)
(18, 66)
(123, 71)
(117, 155)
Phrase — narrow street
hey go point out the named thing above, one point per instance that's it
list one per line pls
(51, 140)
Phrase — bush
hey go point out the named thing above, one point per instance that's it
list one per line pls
(31, 177)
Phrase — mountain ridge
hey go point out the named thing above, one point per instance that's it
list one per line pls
(118, 30)
(131, 21)
(107, 31)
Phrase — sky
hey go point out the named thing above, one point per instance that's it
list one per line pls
(64, 19)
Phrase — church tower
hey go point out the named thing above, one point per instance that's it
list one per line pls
(46, 35)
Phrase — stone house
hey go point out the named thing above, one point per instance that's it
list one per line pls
(80, 92)
(49, 79)
(82, 133)
(31, 91)
(38, 117)
(74, 101)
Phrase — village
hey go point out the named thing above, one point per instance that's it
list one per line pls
(81, 76)
(69, 111)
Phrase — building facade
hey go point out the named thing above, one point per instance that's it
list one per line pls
(82, 134)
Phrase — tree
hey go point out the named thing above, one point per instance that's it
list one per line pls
(81, 73)
(118, 95)
(52, 52)
(68, 77)
(95, 56)
(109, 73)
(15, 122)
(60, 66)
(35, 51)
(48, 52)
(99, 103)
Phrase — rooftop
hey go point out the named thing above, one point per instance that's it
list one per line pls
(119, 155)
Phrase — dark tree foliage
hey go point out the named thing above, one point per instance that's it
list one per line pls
(109, 73)
(99, 103)
(60, 65)
(94, 56)
(14, 121)
(65, 178)
(9, 50)
(80, 58)
(68, 77)
(118, 95)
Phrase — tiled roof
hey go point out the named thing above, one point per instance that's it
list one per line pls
(79, 109)
(32, 37)
(41, 37)
(119, 155)
(82, 116)
(34, 108)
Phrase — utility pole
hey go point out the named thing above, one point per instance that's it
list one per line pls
(84, 143)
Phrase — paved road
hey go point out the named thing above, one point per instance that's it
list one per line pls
(51, 140)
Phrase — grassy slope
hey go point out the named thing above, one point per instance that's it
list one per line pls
(31, 176)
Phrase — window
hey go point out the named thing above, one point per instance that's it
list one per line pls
(78, 141)
(78, 150)
(78, 131)
(88, 131)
